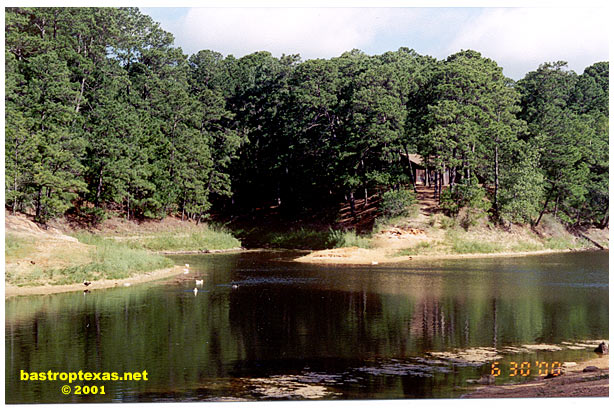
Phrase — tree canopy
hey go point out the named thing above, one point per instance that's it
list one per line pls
(104, 113)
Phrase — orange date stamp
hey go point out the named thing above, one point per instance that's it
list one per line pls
(525, 368)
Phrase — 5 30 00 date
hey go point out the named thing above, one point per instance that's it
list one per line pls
(523, 369)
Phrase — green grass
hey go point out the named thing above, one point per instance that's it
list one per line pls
(340, 238)
(204, 239)
(298, 239)
(304, 239)
(475, 247)
(419, 248)
(17, 247)
(108, 259)
(562, 243)
(111, 260)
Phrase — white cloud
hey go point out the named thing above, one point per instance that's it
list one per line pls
(521, 39)
(312, 32)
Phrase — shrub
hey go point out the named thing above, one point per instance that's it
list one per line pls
(340, 238)
(447, 222)
(397, 203)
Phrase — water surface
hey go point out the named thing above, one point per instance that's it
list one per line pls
(264, 327)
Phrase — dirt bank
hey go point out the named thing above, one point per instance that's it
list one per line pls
(11, 291)
(573, 383)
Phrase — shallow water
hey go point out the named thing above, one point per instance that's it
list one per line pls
(264, 327)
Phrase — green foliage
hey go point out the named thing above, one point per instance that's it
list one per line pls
(522, 190)
(397, 203)
(468, 196)
(301, 239)
(447, 222)
(102, 109)
(342, 238)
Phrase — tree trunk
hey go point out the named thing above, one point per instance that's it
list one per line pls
(411, 170)
(556, 205)
(496, 180)
(352, 204)
(545, 207)
(440, 184)
(15, 189)
(606, 218)
(80, 96)
(98, 188)
(366, 197)
(38, 203)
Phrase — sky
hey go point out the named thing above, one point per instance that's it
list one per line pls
(518, 39)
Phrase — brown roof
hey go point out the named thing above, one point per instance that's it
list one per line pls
(415, 158)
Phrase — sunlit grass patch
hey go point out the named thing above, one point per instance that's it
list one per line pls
(421, 248)
(563, 243)
(17, 246)
(205, 239)
(106, 259)
(526, 246)
(340, 238)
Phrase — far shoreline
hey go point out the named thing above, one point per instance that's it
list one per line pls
(361, 256)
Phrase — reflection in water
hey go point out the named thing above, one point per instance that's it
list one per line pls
(263, 327)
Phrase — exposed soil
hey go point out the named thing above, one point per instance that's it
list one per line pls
(573, 383)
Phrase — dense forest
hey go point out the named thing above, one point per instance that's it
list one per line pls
(105, 115)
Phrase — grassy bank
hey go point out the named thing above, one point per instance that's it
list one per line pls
(35, 261)
(204, 239)
(457, 241)
(35, 257)
(438, 236)
(303, 239)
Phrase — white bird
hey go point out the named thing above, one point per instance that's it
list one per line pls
(195, 290)
(235, 286)
(185, 271)
(200, 282)
(374, 263)
(187, 265)
(127, 284)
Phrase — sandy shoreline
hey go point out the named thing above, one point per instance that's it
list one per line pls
(361, 256)
(13, 291)
(573, 383)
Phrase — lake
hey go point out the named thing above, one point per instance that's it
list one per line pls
(262, 327)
